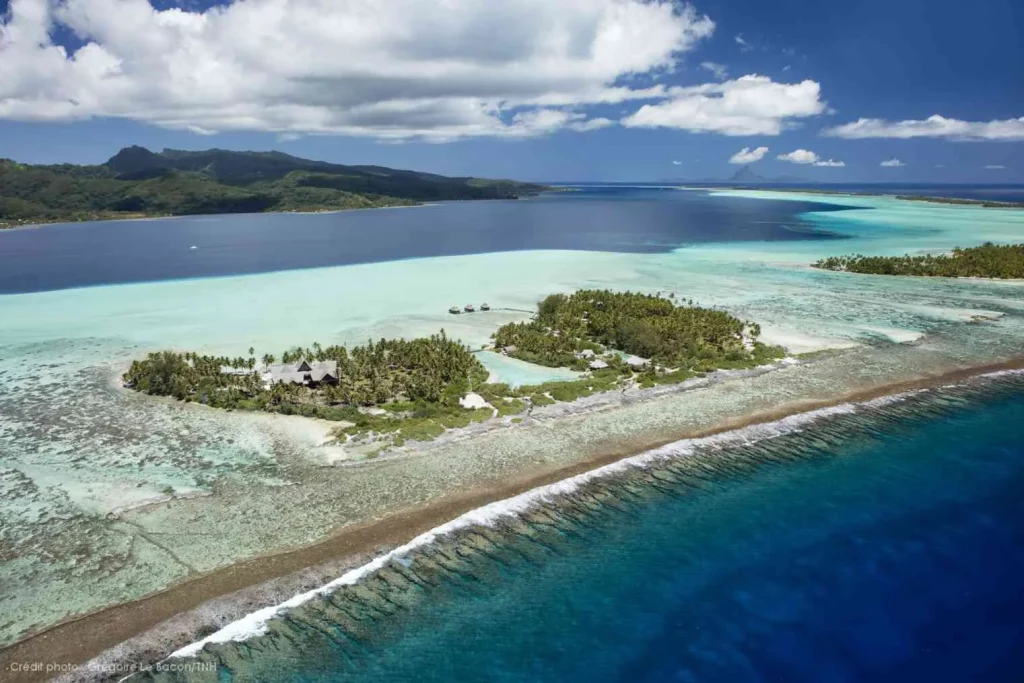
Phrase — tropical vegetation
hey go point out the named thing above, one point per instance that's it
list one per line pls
(137, 182)
(669, 334)
(988, 260)
(394, 390)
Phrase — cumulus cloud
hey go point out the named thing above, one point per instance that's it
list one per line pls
(748, 155)
(806, 156)
(892, 163)
(750, 105)
(584, 124)
(932, 127)
(719, 70)
(391, 69)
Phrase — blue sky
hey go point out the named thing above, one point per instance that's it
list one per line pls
(612, 90)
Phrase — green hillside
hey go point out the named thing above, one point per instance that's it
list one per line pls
(138, 182)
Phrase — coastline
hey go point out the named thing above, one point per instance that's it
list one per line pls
(78, 640)
(160, 217)
(928, 199)
(412, 204)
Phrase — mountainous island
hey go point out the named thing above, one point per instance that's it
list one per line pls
(137, 182)
(748, 175)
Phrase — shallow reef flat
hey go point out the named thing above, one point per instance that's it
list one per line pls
(739, 538)
(107, 496)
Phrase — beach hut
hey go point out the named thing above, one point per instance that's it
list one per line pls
(636, 362)
(305, 373)
(585, 353)
(598, 364)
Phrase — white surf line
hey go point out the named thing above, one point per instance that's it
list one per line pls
(255, 624)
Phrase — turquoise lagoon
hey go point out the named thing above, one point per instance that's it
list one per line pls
(516, 373)
(106, 496)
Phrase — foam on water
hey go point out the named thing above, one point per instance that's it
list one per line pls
(255, 624)
(851, 471)
(74, 447)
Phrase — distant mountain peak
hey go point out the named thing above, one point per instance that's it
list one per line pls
(747, 175)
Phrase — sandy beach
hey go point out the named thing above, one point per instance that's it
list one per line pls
(268, 579)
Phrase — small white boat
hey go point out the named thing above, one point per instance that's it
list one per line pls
(455, 310)
(470, 308)
(485, 307)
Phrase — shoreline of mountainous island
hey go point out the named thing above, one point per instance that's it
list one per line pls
(137, 183)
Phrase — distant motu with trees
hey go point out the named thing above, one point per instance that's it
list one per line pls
(989, 261)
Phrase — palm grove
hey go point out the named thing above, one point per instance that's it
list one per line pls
(988, 260)
(394, 390)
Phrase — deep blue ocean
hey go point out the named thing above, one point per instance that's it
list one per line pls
(882, 544)
(622, 219)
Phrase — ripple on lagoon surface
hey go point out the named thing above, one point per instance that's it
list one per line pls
(631, 220)
(880, 542)
(74, 447)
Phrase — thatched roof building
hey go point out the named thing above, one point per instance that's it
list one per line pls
(305, 373)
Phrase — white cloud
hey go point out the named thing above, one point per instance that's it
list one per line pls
(750, 105)
(892, 163)
(677, 163)
(719, 70)
(995, 167)
(585, 125)
(748, 155)
(931, 127)
(390, 69)
(806, 156)
(744, 45)
(787, 67)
